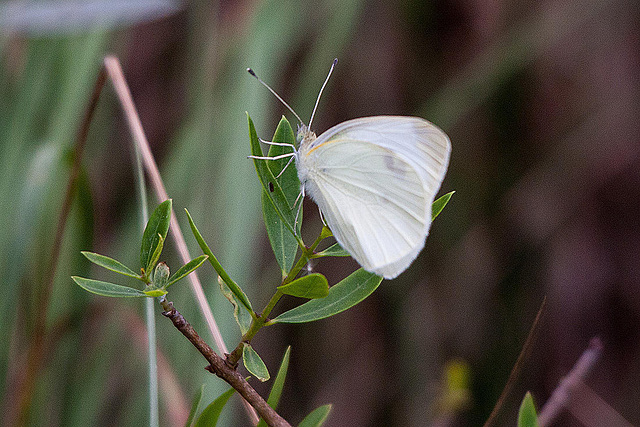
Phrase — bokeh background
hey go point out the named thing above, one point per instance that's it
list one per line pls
(540, 100)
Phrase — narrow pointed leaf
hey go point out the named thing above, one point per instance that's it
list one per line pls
(210, 414)
(254, 363)
(270, 184)
(311, 286)
(283, 243)
(288, 179)
(347, 293)
(279, 236)
(527, 416)
(334, 250)
(233, 286)
(155, 257)
(154, 292)
(243, 317)
(107, 289)
(158, 224)
(194, 407)
(317, 417)
(439, 205)
(186, 269)
(278, 384)
(110, 264)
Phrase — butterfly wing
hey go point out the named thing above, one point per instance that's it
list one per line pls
(374, 180)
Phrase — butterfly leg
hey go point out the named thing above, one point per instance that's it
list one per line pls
(281, 144)
(281, 156)
(285, 167)
(322, 217)
(301, 199)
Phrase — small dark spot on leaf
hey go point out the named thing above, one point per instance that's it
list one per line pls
(271, 187)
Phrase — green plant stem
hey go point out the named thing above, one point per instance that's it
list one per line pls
(263, 318)
(272, 303)
(154, 417)
(152, 357)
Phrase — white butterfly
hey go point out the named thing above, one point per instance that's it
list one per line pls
(374, 180)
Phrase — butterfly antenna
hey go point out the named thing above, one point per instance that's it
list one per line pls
(250, 71)
(335, 61)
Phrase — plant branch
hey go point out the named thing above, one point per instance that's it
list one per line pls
(572, 381)
(114, 69)
(218, 366)
(263, 319)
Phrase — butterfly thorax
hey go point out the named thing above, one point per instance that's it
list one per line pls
(306, 137)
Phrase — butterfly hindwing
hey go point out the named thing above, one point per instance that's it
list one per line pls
(373, 201)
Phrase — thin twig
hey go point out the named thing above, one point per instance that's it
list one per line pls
(561, 395)
(515, 371)
(17, 413)
(114, 69)
(149, 306)
(219, 367)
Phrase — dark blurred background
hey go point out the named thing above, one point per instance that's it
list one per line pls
(540, 100)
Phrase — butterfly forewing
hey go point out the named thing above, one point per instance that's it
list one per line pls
(418, 141)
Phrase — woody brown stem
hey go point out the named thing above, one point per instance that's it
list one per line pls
(218, 366)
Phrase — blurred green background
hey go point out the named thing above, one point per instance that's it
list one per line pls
(540, 100)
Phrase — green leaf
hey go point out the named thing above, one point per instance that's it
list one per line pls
(334, 250)
(439, 205)
(243, 317)
(283, 243)
(158, 225)
(107, 289)
(278, 384)
(273, 192)
(194, 406)
(186, 269)
(527, 416)
(349, 292)
(154, 292)
(154, 257)
(160, 276)
(209, 417)
(288, 181)
(317, 417)
(311, 286)
(110, 264)
(233, 286)
(254, 363)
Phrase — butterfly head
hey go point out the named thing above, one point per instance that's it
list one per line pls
(304, 134)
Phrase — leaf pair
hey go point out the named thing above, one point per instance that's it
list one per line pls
(154, 274)
(342, 296)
